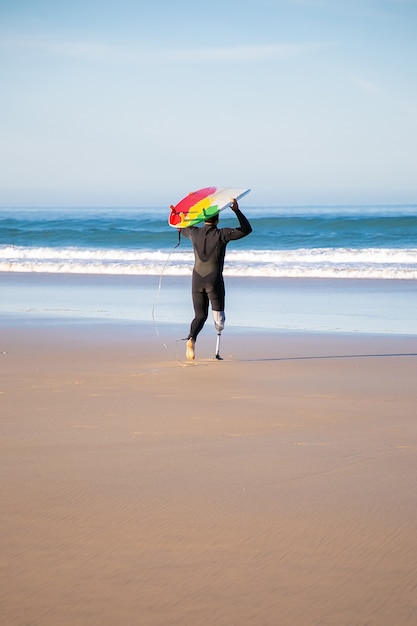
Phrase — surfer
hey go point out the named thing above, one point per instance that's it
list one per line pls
(209, 244)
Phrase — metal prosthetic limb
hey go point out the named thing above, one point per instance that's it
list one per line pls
(219, 320)
(217, 355)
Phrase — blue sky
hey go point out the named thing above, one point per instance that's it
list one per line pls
(135, 103)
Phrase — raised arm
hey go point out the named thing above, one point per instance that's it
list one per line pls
(244, 226)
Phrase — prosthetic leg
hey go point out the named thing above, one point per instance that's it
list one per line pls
(219, 320)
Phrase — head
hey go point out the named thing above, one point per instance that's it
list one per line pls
(212, 220)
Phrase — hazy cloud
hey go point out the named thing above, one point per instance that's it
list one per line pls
(97, 51)
(366, 86)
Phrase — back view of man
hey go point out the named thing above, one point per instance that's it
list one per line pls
(209, 244)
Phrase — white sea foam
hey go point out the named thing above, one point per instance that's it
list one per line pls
(382, 263)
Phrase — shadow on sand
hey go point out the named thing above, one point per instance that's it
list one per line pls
(333, 356)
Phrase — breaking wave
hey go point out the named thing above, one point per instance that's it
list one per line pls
(381, 263)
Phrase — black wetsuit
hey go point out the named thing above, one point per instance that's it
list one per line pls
(209, 243)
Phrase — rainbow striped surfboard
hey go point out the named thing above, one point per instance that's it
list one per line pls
(203, 204)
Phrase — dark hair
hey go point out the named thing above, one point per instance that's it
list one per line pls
(212, 220)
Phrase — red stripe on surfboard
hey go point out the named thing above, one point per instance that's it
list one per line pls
(195, 196)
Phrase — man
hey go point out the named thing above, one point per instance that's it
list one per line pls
(209, 243)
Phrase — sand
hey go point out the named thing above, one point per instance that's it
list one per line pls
(276, 487)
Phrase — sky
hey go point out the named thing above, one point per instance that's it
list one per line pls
(137, 103)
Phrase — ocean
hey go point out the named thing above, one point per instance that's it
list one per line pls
(318, 268)
(343, 242)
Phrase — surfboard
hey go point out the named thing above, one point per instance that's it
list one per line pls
(202, 204)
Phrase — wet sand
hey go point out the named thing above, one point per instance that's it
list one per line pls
(274, 487)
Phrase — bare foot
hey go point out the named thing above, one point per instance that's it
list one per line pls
(190, 350)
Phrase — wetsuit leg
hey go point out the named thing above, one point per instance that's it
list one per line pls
(216, 294)
(201, 307)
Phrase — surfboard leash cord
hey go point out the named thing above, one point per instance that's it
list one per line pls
(157, 298)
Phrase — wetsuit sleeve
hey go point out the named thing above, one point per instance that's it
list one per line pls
(231, 234)
(187, 232)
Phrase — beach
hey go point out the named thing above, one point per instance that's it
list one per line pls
(276, 486)
(149, 151)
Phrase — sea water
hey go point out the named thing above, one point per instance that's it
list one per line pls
(292, 242)
(358, 247)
